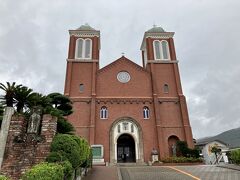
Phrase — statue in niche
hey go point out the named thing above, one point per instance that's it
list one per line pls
(174, 149)
(154, 152)
(34, 121)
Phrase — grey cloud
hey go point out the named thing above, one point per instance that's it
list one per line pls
(34, 47)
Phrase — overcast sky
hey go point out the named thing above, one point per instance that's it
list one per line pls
(34, 44)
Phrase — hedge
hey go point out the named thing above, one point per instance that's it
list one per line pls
(235, 156)
(2, 177)
(45, 171)
(70, 147)
(181, 160)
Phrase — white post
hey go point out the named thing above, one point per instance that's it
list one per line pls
(9, 111)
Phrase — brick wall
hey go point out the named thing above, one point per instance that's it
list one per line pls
(25, 150)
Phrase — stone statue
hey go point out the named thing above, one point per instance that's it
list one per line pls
(174, 149)
(34, 121)
(154, 152)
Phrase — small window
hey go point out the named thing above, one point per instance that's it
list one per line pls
(81, 87)
(103, 113)
(146, 113)
(165, 88)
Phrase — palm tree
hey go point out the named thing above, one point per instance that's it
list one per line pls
(22, 95)
(37, 99)
(9, 89)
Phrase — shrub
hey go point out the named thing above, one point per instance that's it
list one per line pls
(64, 127)
(67, 146)
(55, 157)
(235, 156)
(2, 177)
(182, 148)
(45, 171)
(181, 160)
(194, 153)
(67, 169)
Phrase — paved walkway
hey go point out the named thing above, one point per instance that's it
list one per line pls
(102, 173)
(230, 166)
(198, 172)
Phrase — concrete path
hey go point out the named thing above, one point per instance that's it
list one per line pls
(230, 166)
(199, 172)
(102, 173)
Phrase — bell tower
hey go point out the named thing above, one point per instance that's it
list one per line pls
(159, 58)
(80, 82)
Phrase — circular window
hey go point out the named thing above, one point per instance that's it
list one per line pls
(123, 77)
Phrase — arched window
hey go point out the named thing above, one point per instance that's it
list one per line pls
(83, 49)
(146, 113)
(165, 50)
(79, 48)
(161, 50)
(157, 49)
(103, 113)
(81, 87)
(88, 45)
(165, 88)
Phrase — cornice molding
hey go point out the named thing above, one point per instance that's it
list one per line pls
(163, 61)
(82, 60)
(163, 35)
(79, 33)
(168, 99)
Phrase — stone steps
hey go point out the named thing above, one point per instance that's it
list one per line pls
(131, 164)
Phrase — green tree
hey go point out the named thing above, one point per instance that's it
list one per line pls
(215, 150)
(9, 97)
(64, 127)
(22, 96)
(61, 102)
(37, 99)
(235, 156)
(182, 148)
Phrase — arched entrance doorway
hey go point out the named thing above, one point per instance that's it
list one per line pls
(126, 132)
(125, 149)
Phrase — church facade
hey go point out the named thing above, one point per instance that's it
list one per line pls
(128, 109)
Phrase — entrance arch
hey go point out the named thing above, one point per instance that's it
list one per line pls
(128, 129)
(125, 149)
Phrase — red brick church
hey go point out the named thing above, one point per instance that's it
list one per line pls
(127, 108)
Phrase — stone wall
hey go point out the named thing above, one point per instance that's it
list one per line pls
(25, 150)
